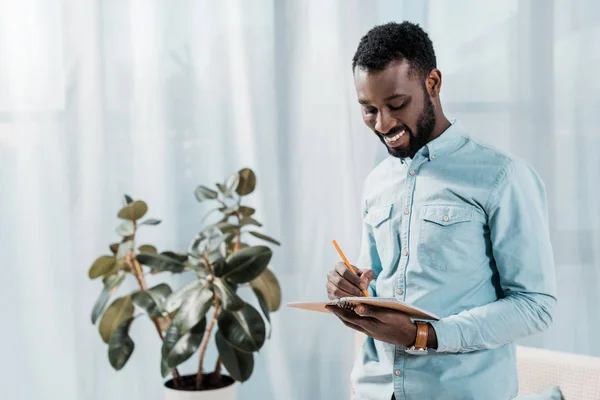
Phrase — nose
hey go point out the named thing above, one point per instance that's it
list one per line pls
(384, 123)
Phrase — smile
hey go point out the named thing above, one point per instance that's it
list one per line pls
(394, 139)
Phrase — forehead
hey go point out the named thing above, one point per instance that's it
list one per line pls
(394, 79)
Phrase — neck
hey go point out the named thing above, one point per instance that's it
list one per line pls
(441, 124)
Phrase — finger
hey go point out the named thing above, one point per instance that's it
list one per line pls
(334, 292)
(365, 277)
(345, 273)
(335, 278)
(377, 313)
(349, 318)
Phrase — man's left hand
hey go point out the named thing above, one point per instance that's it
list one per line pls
(381, 324)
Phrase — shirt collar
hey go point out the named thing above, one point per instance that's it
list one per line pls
(446, 143)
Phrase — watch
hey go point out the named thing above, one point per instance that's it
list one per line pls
(420, 346)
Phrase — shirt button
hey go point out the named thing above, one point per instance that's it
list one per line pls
(399, 291)
(398, 372)
(406, 211)
(446, 218)
(412, 172)
(404, 252)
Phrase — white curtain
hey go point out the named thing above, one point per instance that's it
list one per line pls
(151, 98)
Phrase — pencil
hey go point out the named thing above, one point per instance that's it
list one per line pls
(350, 267)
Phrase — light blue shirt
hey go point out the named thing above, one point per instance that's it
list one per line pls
(461, 230)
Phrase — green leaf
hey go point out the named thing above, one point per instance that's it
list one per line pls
(133, 211)
(218, 266)
(246, 211)
(221, 187)
(193, 309)
(160, 263)
(175, 256)
(247, 182)
(164, 368)
(177, 348)
(208, 214)
(114, 247)
(148, 248)
(120, 310)
(249, 221)
(120, 345)
(174, 301)
(230, 300)
(264, 237)
(208, 241)
(126, 228)
(246, 264)
(231, 184)
(263, 304)
(124, 249)
(244, 329)
(268, 286)
(197, 266)
(127, 199)
(151, 221)
(238, 363)
(226, 227)
(101, 266)
(203, 193)
(111, 285)
(152, 300)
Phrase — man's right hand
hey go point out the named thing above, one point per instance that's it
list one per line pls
(341, 282)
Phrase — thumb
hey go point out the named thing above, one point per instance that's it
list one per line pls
(365, 311)
(366, 276)
(381, 314)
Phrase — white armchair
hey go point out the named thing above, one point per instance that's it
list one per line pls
(578, 376)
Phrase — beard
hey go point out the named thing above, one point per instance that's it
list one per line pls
(418, 139)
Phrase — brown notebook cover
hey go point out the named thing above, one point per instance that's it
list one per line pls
(350, 302)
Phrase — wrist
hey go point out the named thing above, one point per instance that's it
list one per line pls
(413, 334)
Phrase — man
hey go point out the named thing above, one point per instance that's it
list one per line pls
(451, 226)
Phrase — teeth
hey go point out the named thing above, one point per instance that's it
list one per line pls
(390, 139)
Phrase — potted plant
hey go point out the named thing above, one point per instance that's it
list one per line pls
(209, 307)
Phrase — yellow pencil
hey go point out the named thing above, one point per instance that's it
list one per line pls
(350, 267)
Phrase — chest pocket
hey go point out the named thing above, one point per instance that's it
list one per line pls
(448, 236)
(379, 218)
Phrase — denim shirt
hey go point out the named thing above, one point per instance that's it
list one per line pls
(461, 230)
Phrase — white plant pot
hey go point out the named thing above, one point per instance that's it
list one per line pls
(226, 393)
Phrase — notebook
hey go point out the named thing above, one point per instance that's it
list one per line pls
(351, 302)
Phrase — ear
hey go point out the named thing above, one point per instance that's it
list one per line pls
(434, 82)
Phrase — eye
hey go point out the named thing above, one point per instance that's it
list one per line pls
(397, 108)
(370, 110)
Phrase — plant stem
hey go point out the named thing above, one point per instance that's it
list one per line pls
(218, 368)
(136, 269)
(239, 234)
(205, 343)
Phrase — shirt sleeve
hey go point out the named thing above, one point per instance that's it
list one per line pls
(368, 258)
(519, 234)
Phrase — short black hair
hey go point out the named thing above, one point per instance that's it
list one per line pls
(395, 42)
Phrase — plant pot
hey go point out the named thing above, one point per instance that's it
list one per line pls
(216, 389)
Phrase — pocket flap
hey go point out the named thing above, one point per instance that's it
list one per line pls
(377, 215)
(447, 214)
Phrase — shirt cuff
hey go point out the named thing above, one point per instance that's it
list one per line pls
(448, 335)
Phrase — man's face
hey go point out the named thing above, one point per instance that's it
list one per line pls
(396, 107)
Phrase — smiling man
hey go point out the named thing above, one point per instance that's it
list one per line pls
(451, 226)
